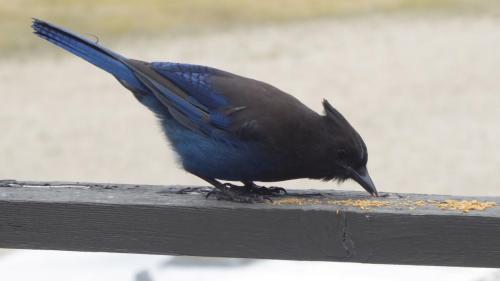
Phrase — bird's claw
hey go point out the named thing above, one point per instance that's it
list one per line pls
(269, 191)
(238, 194)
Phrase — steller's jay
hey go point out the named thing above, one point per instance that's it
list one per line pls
(227, 127)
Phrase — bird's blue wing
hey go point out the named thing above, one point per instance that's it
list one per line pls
(188, 93)
(194, 80)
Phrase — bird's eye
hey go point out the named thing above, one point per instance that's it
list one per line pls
(341, 154)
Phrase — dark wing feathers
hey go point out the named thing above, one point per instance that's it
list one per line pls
(188, 95)
(223, 105)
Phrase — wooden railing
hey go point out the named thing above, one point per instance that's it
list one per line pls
(304, 225)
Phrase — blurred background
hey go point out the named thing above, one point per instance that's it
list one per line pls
(418, 79)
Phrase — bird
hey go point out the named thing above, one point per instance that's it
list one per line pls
(226, 127)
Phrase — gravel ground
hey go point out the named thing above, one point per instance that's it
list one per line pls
(422, 91)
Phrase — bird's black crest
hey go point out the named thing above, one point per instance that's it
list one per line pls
(335, 116)
(340, 122)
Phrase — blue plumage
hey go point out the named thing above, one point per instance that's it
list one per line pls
(194, 79)
(207, 156)
(229, 127)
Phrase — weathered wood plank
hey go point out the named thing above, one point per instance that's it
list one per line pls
(158, 220)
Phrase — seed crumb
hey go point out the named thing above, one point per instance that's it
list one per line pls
(366, 204)
(465, 205)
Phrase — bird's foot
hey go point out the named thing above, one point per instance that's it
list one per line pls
(241, 194)
(266, 191)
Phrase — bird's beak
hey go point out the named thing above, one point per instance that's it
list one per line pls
(362, 177)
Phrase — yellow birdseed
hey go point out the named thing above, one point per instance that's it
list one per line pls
(362, 204)
(366, 204)
(465, 205)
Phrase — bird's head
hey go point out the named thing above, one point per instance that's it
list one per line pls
(347, 151)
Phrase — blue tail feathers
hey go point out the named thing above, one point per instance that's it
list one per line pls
(89, 51)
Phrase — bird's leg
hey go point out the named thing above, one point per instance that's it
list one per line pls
(230, 192)
(262, 190)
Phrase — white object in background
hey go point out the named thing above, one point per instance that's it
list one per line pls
(29, 265)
